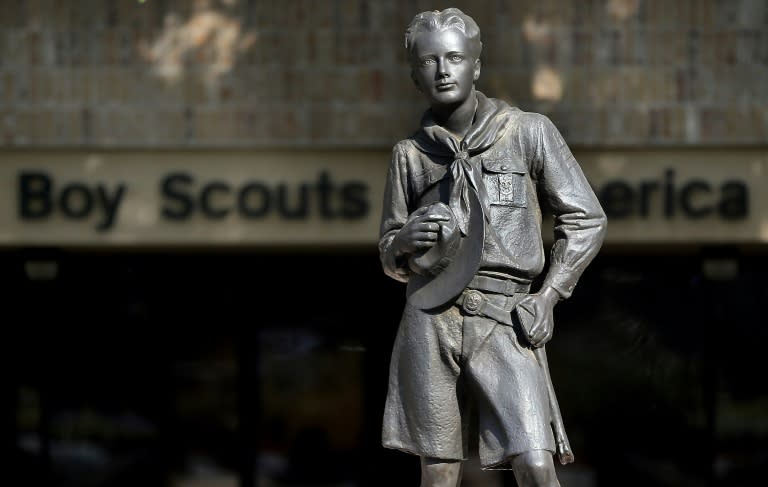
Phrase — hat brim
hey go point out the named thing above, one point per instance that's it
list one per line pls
(427, 292)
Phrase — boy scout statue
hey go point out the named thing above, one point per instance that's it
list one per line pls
(462, 226)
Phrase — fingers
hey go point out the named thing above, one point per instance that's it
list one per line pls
(538, 320)
(433, 217)
(423, 244)
(538, 331)
(541, 329)
(419, 225)
(542, 336)
(418, 236)
(541, 333)
(548, 336)
(425, 236)
(427, 227)
(424, 232)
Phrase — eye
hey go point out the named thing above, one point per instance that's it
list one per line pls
(455, 58)
(426, 61)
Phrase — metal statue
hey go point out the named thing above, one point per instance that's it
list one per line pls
(462, 226)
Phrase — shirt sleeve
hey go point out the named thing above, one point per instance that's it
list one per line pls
(394, 215)
(580, 222)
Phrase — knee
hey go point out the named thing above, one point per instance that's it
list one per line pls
(440, 473)
(540, 472)
(535, 469)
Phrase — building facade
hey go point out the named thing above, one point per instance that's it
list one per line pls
(191, 200)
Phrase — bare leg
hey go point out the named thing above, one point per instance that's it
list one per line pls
(440, 473)
(535, 469)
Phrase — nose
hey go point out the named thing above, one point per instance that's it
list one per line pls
(442, 69)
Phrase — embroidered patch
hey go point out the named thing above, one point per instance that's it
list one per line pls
(506, 187)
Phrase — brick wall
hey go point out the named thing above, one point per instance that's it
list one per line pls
(175, 73)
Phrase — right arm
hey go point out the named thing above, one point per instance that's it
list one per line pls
(394, 215)
(402, 233)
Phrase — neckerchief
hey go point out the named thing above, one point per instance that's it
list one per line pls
(489, 124)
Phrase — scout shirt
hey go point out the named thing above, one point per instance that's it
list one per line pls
(524, 160)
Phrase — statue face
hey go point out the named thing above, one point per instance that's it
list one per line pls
(443, 68)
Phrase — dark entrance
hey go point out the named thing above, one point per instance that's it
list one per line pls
(222, 368)
(152, 368)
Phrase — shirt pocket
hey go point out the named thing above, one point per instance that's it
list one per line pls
(505, 182)
(431, 174)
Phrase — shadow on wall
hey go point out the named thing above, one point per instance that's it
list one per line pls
(211, 35)
(539, 32)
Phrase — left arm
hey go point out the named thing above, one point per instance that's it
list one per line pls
(580, 225)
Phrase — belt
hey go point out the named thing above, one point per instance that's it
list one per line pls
(473, 302)
(506, 287)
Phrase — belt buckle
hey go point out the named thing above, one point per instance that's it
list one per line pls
(473, 301)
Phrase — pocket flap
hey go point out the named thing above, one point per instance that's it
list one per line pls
(501, 166)
(427, 178)
(436, 173)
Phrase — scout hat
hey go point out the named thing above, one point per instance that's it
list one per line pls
(442, 272)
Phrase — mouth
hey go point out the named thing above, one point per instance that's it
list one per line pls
(446, 85)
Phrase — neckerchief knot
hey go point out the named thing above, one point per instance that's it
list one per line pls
(465, 179)
(488, 126)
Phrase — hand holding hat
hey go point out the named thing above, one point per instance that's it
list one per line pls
(443, 270)
(433, 260)
(420, 232)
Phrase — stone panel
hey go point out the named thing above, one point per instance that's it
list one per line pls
(244, 73)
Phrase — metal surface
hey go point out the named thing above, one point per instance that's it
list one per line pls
(490, 163)
(427, 292)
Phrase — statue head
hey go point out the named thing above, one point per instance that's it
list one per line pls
(444, 51)
(440, 20)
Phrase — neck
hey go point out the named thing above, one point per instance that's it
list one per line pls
(456, 118)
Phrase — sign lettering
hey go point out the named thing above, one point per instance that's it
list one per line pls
(183, 196)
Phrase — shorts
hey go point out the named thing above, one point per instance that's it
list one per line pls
(445, 365)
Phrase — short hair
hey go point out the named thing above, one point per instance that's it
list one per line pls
(438, 21)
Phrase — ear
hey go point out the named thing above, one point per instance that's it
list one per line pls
(477, 70)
